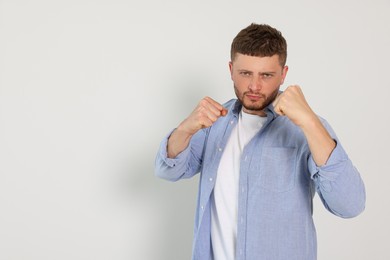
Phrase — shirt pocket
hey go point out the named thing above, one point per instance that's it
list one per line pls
(277, 168)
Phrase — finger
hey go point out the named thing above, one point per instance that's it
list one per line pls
(214, 103)
(206, 122)
(278, 105)
(211, 115)
(276, 100)
(224, 112)
(279, 110)
(216, 107)
(208, 117)
(209, 107)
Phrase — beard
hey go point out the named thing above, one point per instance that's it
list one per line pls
(257, 105)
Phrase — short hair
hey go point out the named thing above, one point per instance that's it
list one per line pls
(260, 40)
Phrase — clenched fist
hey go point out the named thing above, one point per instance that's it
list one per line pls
(292, 103)
(204, 115)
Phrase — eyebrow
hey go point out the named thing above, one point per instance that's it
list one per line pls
(264, 72)
(268, 72)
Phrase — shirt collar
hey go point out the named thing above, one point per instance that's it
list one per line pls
(269, 110)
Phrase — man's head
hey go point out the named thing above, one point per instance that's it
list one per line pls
(257, 67)
(260, 40)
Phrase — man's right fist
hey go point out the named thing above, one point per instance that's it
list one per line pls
(203, 116)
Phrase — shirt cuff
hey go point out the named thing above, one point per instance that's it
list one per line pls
(333, 167)
(172, 162)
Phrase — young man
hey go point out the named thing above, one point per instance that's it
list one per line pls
(261, 158)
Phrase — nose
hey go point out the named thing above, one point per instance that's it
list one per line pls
(255, 84)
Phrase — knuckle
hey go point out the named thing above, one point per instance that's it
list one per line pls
(206, 99)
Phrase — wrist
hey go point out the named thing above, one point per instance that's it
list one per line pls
(178, 141)
(311, 122)
(184, 130)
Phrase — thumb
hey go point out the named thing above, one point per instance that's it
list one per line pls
(277, 106)
(276, 100)
(224, 112)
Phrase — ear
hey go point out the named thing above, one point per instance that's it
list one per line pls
(284, 74)
(231, 69)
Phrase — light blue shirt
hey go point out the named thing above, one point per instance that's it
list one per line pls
(278, 180)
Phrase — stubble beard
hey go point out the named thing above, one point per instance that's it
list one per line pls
(258, 106)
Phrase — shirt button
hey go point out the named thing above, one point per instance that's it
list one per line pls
(201, 207)
(220, 149)
(231, 122)
(211, 179)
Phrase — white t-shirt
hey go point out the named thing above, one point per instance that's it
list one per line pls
(225, 196)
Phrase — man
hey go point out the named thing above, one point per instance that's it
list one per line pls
(261, 159)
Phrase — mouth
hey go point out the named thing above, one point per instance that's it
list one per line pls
(254, 97)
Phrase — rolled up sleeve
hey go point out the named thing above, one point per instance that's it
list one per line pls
(185, 165)
(339, 184)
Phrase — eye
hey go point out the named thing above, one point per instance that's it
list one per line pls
(245, 73)
(267, 75)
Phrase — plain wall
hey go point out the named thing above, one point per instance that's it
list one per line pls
(89, 88)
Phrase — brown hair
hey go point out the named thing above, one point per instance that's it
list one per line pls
(260, 40)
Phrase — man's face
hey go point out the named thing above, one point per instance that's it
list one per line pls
(256, 81)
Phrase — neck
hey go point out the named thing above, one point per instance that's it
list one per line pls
(255, 112)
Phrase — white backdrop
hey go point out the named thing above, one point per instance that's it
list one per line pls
(89, 88)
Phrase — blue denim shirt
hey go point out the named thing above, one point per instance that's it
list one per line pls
(278, 180)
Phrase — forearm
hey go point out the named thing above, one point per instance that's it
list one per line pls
(177, 142)
(321, 144)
